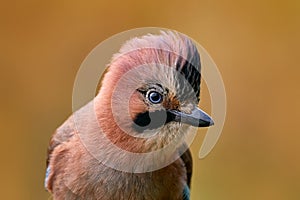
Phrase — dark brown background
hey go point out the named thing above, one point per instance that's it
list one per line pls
(254, 43)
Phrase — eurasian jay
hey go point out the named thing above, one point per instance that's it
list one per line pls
(129, 142)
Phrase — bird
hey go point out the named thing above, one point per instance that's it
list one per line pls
(129, 142)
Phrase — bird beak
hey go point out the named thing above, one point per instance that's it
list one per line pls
(197, 117)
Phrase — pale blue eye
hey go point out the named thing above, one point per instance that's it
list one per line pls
(155, 97)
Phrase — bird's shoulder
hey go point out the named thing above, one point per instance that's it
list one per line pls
(61, 135)
(59, 139)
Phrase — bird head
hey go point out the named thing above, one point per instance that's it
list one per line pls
(150, 92)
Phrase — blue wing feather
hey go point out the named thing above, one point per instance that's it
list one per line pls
(47, 176)
(186, 193)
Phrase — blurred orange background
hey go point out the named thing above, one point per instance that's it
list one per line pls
(254, 43)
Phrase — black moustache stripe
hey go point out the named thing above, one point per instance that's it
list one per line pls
(152, 120)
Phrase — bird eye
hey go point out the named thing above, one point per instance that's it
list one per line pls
(155, 97)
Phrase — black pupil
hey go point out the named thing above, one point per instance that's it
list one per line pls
(155, 97)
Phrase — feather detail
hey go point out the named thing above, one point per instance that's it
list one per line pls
(47, 177)
(186, 193)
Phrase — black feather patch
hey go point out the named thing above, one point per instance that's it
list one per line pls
(152, 120)
(191, 74)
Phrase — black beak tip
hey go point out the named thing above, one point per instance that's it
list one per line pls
(205, 120)
(206, 123)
